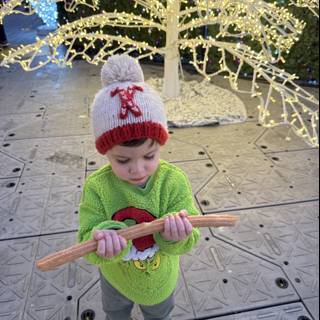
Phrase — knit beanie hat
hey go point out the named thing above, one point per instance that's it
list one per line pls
(126, 108)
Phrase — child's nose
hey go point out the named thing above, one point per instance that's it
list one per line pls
(137, 168)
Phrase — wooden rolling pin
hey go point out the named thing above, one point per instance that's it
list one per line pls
(143, 229)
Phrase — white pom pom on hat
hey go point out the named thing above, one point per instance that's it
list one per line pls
(121, 68)
(126, 108)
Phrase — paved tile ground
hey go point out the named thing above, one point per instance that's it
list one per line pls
(266, 268)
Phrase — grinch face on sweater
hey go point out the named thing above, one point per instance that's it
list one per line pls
(144, 258)
(144, 274)
(148, 265)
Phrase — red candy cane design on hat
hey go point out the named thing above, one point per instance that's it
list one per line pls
(127, 103)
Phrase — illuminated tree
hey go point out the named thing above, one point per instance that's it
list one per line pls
(267, 24)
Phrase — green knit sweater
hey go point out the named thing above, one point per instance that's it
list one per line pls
(146, 272)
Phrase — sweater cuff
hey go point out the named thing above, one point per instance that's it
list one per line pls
(109, 225)
(177, 247)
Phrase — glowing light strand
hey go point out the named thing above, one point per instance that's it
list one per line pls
(312, 5)
(295, 111)
(275, 28)
(280, 32)
(15, 7)
(26, 8)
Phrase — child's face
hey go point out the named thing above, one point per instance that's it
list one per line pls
(135, 164)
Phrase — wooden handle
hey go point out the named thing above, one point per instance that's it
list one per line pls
(143, 229)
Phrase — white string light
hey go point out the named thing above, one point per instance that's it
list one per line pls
(28, 7)
(272, 26)
(312, 5)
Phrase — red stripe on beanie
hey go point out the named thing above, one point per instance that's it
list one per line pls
(129, 132)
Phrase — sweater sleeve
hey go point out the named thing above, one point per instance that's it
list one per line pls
(181, 198)
(92, 217)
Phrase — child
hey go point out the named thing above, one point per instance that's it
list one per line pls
(129, 125)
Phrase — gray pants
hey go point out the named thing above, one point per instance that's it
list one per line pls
(118, 307)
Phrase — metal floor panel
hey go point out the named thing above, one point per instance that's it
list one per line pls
(306, 162)
(265, 268)
(13, 121)
(312, 305)
(15, 75)
(217, 279)
(57, 101)
(295, 311)
(10, 167)
(11, 102)
(198, 172)
(279, 139)
(7, 187)
(16, 263)
(223, 279)
(51, 155)
(22, 103)
(178, 150)
(212, 284)
(253, 179)
(55, 294)
(285, 235)
(75, 123)
(220, 137)
(95, 161)
(41, 205)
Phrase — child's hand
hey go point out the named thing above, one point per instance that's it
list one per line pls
(110, 243)
(177, 227)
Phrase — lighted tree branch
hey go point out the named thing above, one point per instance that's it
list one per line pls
(69, 33)
(299, 108)
(312, 5)
(15, 7)
(156, 8)
(278, 34)
(271, 27)
(26, 8)
(107, 48)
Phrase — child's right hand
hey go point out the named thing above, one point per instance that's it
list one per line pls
(110, 243)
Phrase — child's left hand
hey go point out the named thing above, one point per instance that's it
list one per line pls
(177, 227)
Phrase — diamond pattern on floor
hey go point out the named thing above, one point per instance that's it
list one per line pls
(14, 121)
(265, 268)
(51, 155)
(16, 263)
(313, 306)
(253, 180)
(7, 187)
(57, 124)
(10, 167)
(279, 139)
(295, 311)
(54, 294)
(285, 235)
(41, 205)
(199, 172)
(222, 279)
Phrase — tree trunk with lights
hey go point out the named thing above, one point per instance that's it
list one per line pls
(171, 87)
